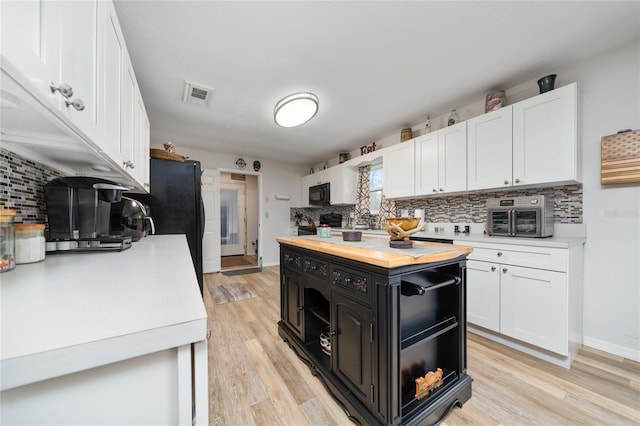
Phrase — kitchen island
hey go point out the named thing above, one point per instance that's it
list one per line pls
(105, 338)
(384, 329)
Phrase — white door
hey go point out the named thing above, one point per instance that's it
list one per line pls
(427, 164)
(544, 137)
(232, 218)
(533, 307)
(483, 294)
(489, 145)
(452, 158)
(398, 167)
(211, 237)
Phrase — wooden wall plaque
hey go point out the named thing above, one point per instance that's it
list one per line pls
(620, 158)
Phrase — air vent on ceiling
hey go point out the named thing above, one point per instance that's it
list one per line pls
(236, 176)
(197, 94)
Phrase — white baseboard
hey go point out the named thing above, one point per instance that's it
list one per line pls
(612, 348)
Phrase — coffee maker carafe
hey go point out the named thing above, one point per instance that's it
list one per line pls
(79, 208)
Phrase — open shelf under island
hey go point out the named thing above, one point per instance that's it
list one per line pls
(384, 329)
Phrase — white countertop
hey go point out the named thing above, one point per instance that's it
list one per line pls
(76, 311)
(566, 236)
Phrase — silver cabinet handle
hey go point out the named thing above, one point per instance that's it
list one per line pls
(506, 182)
(65, 90)
(77, 104)
(499, 254)
(129, 164)
(493, 269)
(517, 180)
(434, 190)
(504, 270)
(441, 190)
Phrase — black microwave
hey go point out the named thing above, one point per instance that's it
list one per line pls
(320, 195)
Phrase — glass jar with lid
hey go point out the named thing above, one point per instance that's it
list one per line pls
(7, 240)
(30, 242)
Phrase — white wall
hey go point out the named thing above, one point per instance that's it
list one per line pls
(277, 178)
(610, 86)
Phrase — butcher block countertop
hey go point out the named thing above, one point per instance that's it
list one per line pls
(376, 251)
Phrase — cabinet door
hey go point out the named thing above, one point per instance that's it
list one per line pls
(141, 143)
(534, 307)
(398, 165)
(489, 146)
(343, 184)
(452, 158)
(292, 302)
(351, 345)
(426, 167)
(80, 65)
(32, 31)
(112, 56)
(129, 107)
(545, 145)
(483, 294)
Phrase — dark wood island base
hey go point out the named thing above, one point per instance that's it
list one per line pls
(388, 343)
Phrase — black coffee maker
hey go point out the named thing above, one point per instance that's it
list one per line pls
(79, 209)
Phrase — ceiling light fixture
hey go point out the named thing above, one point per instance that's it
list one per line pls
(295, 109)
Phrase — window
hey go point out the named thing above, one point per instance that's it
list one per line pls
(375, 188)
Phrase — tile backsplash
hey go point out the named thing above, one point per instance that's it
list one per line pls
(471, 207)
(21, 186)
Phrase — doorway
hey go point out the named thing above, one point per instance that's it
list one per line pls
(238, 221)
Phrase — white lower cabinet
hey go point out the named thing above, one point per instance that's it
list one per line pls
(483, 294)
(534, 307)
(528, 296)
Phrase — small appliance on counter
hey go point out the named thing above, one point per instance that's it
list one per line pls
(530, 216)
(79, 212)
(130, 217)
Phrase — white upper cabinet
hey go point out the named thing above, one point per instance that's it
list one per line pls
(142, 143)
(113, 64)
(441, 161)
(35, 31)
(398, 165)
(489, 148)
(545, 138)
(343, 184)
(76, 48)
(54, 44)
(427, 174)
(79, 58)
(452, 158)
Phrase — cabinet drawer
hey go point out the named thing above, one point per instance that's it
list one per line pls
(355, 282)
(552, 259)
(292, 260)
(318, 268)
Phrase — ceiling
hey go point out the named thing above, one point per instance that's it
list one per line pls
(376, 66)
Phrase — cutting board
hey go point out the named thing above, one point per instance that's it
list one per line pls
(620, 160)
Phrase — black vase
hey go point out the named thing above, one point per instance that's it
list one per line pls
(547, 82)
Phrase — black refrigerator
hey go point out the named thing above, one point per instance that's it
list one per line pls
(175, 200)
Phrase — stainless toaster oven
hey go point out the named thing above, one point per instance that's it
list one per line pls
(530, 216)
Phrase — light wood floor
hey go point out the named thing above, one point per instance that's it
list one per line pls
(227, 263)
(255, 379)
